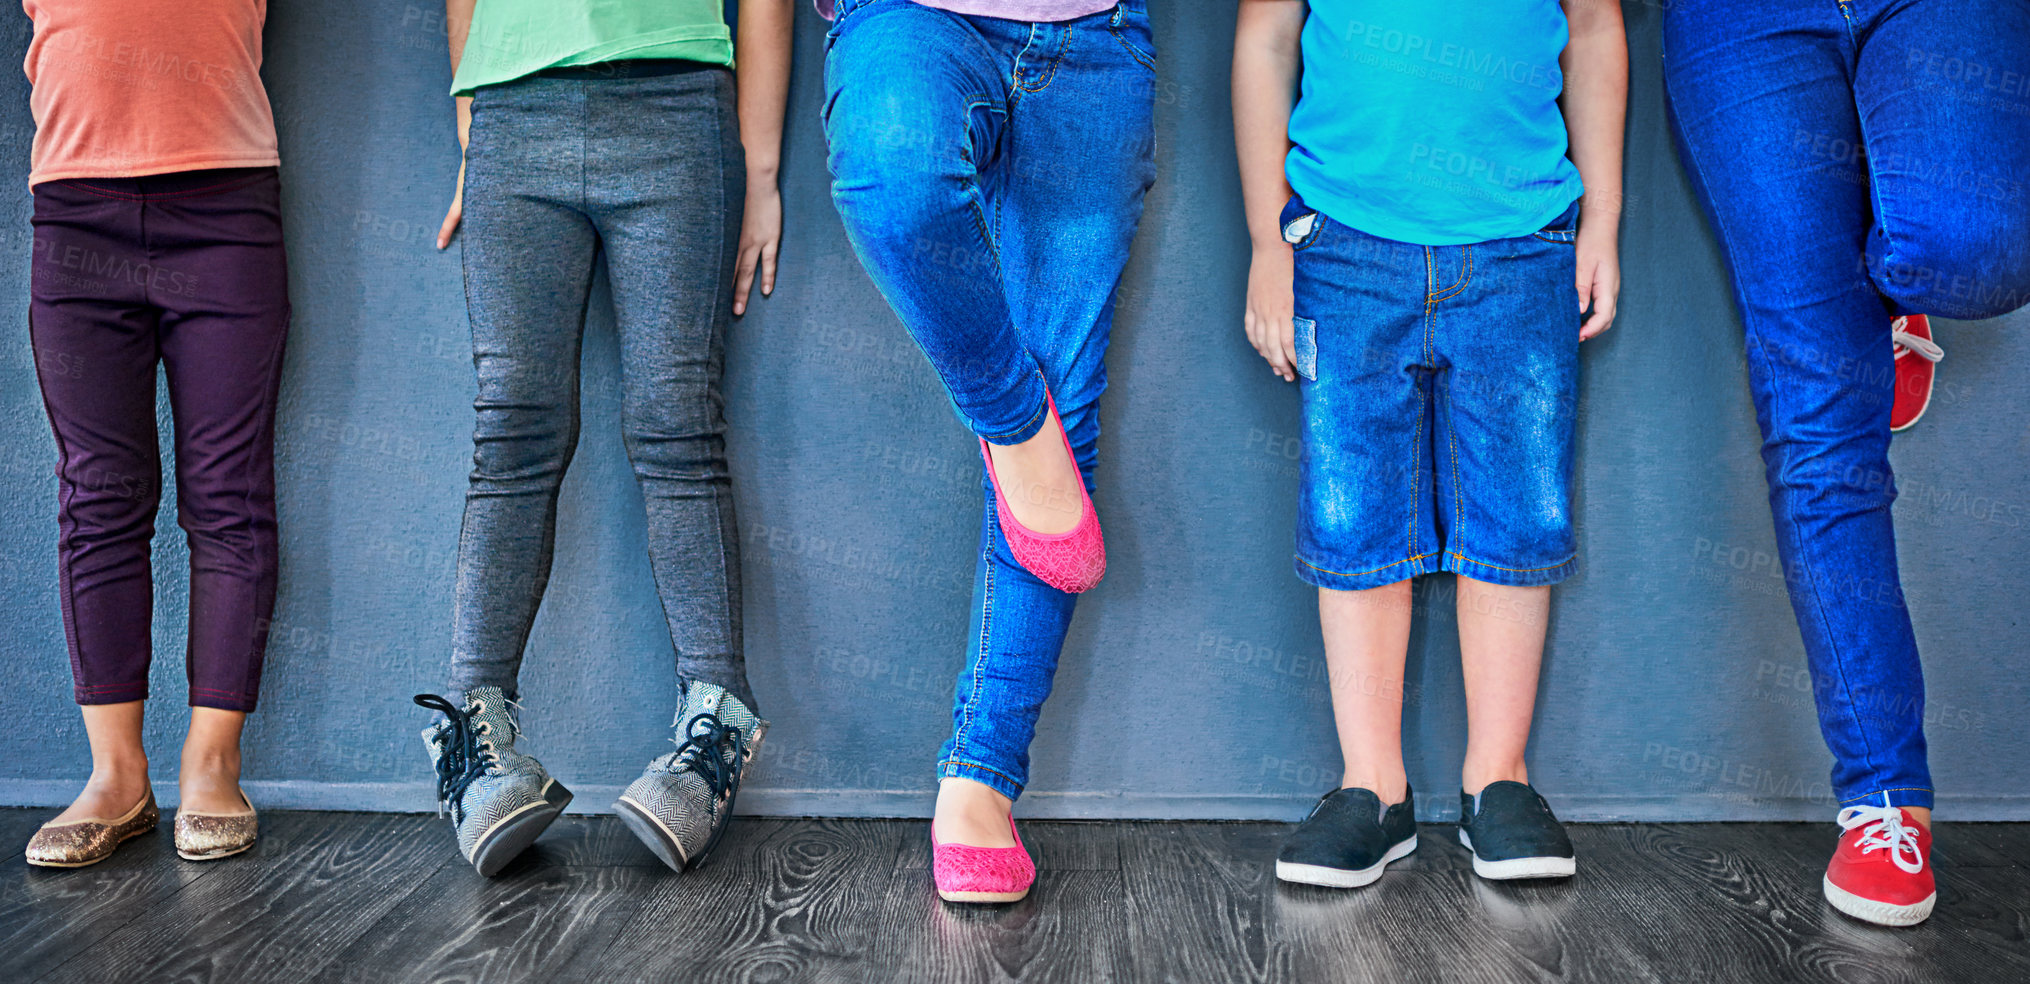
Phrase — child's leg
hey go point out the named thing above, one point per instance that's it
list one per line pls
(1501, 646)
(1056, 227)
(1367, 637)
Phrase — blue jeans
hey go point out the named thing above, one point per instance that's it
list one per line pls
(1857, 160)
(1440, 384)
(990, 174)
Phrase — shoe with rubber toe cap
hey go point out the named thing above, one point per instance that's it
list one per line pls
(1881, 872)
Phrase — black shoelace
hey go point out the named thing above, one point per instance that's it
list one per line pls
(465, 757)
(714, 750)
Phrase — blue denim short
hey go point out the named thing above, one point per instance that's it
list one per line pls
(1440, 387)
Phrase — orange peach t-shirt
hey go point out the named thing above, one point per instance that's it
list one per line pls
(130, 87)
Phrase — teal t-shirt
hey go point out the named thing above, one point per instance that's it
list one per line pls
(1433, 122)
(513, 38)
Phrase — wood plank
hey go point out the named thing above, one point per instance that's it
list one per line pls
(536, 923)
(1196, 900)
(1742, 902)
(49, 915)
(795, 906)
(17, 825)
(598, 841)
(1071, 927)
(357, 898)
(1440, 921)
(1981, 845)
(280, 912)
(1692, 904)
(1976, 929)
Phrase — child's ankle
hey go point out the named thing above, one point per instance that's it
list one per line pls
(1390, 789)
(1474, 777)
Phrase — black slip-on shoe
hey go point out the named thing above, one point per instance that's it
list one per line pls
(1513, 834)
(1348, 839)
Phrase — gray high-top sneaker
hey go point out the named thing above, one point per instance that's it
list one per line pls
(680, 805)
(499, 799)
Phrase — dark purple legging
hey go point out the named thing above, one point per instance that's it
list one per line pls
(186, 270)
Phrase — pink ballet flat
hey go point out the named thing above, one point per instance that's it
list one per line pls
(1072, 561)
(981, 874)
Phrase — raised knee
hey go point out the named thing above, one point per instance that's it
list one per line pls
(1975, 266)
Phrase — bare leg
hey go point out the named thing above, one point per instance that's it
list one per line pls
(119, 765)
(1367, 638)
(210, 778)
(972, 813)
(1040, 481)
(1501, 648)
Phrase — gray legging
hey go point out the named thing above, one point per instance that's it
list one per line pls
(651, 170)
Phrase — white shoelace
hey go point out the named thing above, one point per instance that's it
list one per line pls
(1885, 831)
(1925, 348)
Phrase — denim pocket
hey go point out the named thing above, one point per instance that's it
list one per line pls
(1130, 26)
(1301, 230)
(1305, 332)
(1563, 229)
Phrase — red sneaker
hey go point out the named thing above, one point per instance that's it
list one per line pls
(1916, 362)
(1879, 874)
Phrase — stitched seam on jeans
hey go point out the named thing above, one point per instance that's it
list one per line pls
(961, 763)
(1042, 412)
(1416, 473)
(1458, 499)
(972, 183)
(1146, 60)
(1874, 178)
(1049, 67)
(1417, 443)
(1755, 352)
(1465, 278)
(1376, 570)
(1513, 570)
(986, 631)
(1891, 789)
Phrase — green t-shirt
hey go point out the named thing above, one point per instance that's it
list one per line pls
(513, 38)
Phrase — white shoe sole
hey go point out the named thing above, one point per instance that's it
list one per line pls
(653, 833)
(982, 896)
(1318, 874)
(1513, 868)
(1912, 422)
(1879, 913)
(512, 834)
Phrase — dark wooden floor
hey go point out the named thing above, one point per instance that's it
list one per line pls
(376, 898)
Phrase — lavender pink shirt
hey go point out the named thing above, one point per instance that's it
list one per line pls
(1021, 10)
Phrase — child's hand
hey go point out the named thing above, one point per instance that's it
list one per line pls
(1599, 276)
(1270, 305)
(760, 239)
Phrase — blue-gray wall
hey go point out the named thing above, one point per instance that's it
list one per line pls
(1193, 682)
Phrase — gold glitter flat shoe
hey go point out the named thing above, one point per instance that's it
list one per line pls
(76, 843)
(209, 836)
